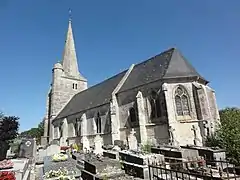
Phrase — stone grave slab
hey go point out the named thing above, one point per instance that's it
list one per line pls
(137, 163)
(69, 164)
(208, 153)
(175, 152)
(100, 169)
(111, 154)
(79, 157)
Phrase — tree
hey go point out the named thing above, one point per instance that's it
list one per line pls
(34, 132)
(8, 128)
(228, 134)
(8, 132)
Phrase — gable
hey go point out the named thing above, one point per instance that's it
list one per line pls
(169, 64)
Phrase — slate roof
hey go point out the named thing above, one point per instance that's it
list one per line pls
(169, 64)
(94, 96)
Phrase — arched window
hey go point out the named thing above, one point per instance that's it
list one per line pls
(99, 123)
(133, 115)
(155, 105)
(182, 102)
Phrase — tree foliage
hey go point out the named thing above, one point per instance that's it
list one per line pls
(36, 132)
(228, 134)
(9, 127)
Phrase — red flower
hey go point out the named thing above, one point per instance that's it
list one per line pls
(7, 175)
(6, 164)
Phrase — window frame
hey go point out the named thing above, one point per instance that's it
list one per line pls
(185, 109)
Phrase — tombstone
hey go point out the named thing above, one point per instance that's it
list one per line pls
(132, 140)
(52, 149)
(196, 139)
(63, 141)
(98, 145)
(28, 148)
(85, 144)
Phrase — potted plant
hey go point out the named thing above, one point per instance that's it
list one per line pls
(9, 130)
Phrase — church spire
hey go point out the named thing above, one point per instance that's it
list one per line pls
(69, 62)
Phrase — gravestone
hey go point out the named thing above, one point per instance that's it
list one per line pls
(28, 148)
(52, 149)
(132, 140)
(98, 145)
(63, 141)
(85, 144)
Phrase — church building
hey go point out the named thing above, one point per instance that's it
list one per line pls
(164, 100)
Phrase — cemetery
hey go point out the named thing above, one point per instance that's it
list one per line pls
(122, 160)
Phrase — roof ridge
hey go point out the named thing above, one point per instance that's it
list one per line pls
(157, 55)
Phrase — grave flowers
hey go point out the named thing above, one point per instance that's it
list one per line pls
(61, 174)
(7, 175)
(59, 157)
(74, 147)
(6, 164)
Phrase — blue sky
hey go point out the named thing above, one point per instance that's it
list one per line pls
(110, 36)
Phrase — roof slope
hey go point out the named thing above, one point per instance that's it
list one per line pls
(169, 64)
(94, 96)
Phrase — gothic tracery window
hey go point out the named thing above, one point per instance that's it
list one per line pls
(182, 102)
(99, 123)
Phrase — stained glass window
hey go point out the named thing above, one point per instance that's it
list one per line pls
(179, 105)
(182, 102)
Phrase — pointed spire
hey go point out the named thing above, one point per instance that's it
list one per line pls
(70, 65)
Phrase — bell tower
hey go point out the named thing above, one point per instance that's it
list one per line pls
(66, 82)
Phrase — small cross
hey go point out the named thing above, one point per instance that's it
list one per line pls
(132, 132)
(194, 130)
(70, 14)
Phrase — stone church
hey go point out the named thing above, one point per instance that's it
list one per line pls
(164, 100)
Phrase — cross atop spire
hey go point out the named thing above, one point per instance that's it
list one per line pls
(70, 14)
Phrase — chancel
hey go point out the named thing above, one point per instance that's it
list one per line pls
(163, 99)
